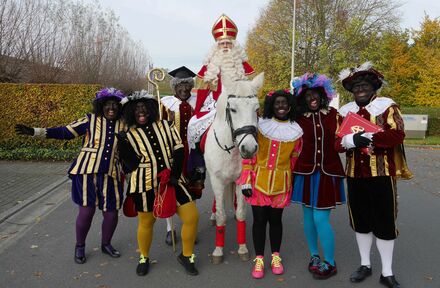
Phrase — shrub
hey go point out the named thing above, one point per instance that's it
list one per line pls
(42, 105)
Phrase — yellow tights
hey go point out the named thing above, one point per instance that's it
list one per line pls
(145, 231)
(187, 213)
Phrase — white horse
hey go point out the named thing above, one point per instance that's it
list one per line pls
(232, 136)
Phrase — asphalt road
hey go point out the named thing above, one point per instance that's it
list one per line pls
(36, 245)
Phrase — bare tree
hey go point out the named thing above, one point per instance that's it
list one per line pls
(68, 42)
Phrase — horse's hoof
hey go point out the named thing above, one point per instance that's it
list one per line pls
(244, 257)
(217, 260)
(213, 222)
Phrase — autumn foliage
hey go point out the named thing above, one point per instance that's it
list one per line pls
(332, 35)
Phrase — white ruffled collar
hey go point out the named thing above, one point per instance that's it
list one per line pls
(376, 107)
(284, 131)
(172, 103)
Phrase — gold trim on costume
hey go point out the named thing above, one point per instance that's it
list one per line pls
(352, 163)
(373, 165)
(118, 199)
(390, 119)
(84, 190)
(71, 130)
(96, 158)
(104, 193)
(88, 149)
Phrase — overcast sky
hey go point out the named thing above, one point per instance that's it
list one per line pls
(178, 32)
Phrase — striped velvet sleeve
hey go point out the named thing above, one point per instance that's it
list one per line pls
(70, 131)
(393, 133)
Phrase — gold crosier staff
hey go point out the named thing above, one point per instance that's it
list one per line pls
(157, 74)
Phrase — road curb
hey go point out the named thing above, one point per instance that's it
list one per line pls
(427, 147)
(17, 208)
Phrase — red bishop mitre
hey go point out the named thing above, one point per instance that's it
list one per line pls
(224, 28)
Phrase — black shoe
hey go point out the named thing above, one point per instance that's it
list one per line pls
(360, 274)
(389, 281)
(188, 263)
(80, 254)
(315, 260)
(109, 250)
(168, 238)
(325, 270)
(143, 266)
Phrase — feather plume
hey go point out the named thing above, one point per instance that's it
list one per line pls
(344, 74)
(136, 95)
(364, 67)
(310, 81)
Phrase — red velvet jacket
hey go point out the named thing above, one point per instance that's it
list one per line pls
(387, 157)
(318, 152)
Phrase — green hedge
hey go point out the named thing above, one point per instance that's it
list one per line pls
(49, 105)
(42, 105)
(433, 117)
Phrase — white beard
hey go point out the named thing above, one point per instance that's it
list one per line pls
(227, 63)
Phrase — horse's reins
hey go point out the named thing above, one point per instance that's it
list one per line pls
(247, 130)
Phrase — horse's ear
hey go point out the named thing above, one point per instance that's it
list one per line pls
(258, 81)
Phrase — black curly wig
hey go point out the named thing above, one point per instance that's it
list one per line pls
(269, 101)
(151, 105)
(301, 100)
(99, 104)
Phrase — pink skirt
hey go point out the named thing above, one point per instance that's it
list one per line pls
(276, 201)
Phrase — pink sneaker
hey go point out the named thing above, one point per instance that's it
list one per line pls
(258, 271)
(277, 267)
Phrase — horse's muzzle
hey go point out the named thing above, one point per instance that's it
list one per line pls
(246, 153)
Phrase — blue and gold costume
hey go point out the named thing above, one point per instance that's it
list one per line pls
(96, 172)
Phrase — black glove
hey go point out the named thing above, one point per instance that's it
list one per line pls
(21, 129)
(126, 153)
(360, 141)
(174, 181)
(122, 136)
(246, 190)
(177, 167)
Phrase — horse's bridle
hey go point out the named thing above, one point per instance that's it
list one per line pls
(247, 130)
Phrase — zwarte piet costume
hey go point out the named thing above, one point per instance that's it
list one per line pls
(151, 149)
(96, 172)
(371, 177)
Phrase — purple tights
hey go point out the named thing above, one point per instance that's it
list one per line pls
(84, 221)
